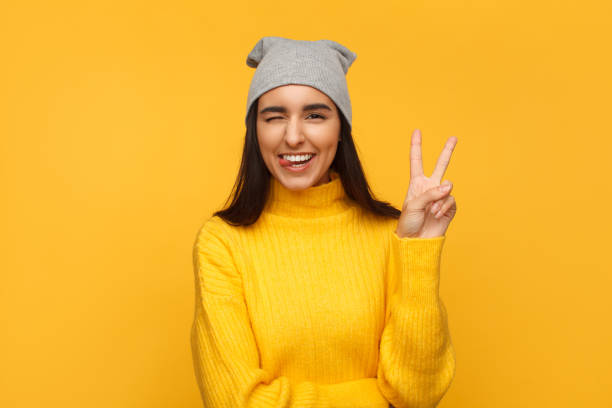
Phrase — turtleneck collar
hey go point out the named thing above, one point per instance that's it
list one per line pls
(315, 201)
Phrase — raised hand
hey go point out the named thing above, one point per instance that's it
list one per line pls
(427, 209)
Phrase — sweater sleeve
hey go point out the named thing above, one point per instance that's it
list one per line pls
(417, 359)
(225, 354)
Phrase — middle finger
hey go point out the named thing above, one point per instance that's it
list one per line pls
(444, 159)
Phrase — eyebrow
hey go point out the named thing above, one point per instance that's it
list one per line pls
(305, 108)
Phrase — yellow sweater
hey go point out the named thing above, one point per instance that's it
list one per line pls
(318, 304)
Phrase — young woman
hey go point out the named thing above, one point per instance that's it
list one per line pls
(310, 292)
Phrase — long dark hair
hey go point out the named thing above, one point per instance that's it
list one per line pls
(252, 184)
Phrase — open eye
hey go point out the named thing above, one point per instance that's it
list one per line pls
(316, 114)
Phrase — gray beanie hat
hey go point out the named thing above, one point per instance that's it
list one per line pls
(321, 64)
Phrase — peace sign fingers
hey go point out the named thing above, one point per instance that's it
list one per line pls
(444, 159)
(423, 194)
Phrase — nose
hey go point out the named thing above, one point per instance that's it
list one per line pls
(293, 132)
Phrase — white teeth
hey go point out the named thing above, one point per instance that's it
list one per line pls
(297, 158)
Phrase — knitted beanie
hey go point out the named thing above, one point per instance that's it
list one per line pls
(322, 64)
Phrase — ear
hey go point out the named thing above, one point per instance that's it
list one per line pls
(345, 56)
(260, 49)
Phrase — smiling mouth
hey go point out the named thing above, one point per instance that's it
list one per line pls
(295, 154)
(312, 155)
(295, 165)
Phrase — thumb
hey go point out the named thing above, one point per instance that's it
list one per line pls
(434, 194)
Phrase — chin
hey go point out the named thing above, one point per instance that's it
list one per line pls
(298, 181)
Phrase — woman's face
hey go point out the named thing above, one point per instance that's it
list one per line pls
(298, 120)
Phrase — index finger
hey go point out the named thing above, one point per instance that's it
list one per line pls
(416, 160)
(444, 159)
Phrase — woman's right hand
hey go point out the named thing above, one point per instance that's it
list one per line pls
(424, 193)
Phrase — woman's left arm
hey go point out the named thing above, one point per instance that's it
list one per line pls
(417, 359)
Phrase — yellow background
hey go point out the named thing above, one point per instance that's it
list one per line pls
(122, 125)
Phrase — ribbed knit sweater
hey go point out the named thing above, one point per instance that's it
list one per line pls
(318, 304)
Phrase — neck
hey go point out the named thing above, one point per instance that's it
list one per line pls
(314, 201)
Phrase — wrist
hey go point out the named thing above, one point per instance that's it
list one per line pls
(417, 236)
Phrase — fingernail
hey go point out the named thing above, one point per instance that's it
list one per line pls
(445, 187)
